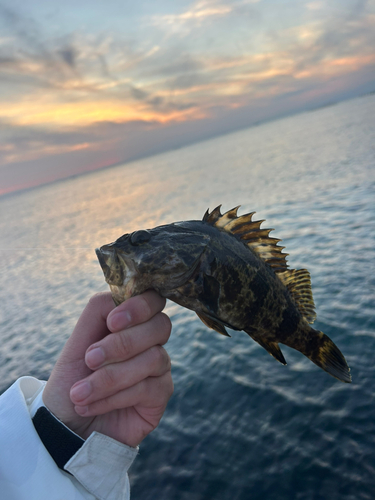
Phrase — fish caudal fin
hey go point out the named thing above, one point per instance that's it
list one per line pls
(323, 352)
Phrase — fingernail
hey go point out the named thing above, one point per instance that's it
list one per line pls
(81, 410)
(95, 357)
(80, 391)
(120, 320)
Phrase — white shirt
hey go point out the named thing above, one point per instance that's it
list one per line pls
(28, 472)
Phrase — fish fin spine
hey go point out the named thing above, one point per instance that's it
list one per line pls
(250, 233)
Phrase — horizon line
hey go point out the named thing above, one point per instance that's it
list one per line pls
(12, 192)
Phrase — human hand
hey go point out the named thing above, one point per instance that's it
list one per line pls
(130, 386)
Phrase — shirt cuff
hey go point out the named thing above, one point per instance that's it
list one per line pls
(100, 464)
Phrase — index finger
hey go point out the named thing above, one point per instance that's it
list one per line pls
(125, 345)
(135, 311)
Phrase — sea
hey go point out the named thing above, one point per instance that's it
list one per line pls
(240, 426)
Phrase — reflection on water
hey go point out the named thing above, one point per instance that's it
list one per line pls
(239, 425)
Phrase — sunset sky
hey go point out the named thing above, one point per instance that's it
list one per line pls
(86, 84)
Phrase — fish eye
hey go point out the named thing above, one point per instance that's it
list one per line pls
(139, 237)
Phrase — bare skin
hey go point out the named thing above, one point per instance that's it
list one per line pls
(113, 375)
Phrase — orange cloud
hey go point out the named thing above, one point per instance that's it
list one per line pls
(42, 112)
(39, 150)
(337, 66)
(225, 78)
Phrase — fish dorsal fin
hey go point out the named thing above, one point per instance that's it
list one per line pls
(250, 233)
(298, 282)
(212, 217)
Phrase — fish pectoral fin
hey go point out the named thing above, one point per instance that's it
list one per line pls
(213, 323)
(211, 292)
(271, 347)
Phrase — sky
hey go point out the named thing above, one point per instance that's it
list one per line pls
(91, 83)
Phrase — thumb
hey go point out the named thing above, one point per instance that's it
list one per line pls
(90, 328)
(71, 367)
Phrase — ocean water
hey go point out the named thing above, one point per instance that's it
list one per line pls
(240, 425)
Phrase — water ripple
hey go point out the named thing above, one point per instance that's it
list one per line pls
(239, 425)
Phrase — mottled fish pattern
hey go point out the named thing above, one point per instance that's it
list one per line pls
(232, 274)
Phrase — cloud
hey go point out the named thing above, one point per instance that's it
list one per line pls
(199, 12)
(82, 98)
(316, 5)
(69, 56)
(203, 15)
(70, 62)
(25, 143)
(100, 78)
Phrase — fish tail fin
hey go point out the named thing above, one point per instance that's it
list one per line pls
(320, 349)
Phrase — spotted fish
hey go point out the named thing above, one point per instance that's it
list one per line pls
(232, 274)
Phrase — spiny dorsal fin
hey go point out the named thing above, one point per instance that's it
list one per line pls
(248, 231)
(212, 217)
(298, 282)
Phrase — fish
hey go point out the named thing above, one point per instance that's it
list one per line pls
(233, 274)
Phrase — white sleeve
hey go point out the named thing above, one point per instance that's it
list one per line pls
(27, 470)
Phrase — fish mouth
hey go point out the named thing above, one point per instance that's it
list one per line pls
(102, 260)
(110, 264)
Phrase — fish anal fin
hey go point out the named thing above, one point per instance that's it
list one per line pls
(213, 323)
(298, 282)
(250, 233)
(273, 348)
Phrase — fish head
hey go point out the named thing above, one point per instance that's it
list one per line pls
(162, 258)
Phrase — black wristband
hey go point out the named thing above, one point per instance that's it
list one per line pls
(60, 442)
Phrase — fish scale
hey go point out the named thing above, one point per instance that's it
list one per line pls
(232, 274)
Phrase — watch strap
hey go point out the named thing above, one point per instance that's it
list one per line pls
(60, 442)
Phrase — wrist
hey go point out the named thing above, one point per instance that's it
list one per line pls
(60, 442)
(60, 406)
